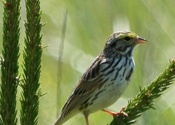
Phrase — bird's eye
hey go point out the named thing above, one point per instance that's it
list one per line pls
(123, 48)
(113, 45)
(127, 38)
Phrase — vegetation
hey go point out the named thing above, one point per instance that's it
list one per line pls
(88, 26)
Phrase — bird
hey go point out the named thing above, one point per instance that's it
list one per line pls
(103, 83)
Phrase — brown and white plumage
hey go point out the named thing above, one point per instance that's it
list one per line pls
(105, 80)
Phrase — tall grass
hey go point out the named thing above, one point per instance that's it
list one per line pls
(89, 24)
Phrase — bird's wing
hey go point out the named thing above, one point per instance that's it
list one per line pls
(91, 80)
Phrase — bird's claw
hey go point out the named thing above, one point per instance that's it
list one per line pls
(122, 112)
(117, 114)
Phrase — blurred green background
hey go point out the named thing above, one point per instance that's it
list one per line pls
(89, 24)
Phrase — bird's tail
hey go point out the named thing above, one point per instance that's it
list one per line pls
(62, 118)
(59, 121)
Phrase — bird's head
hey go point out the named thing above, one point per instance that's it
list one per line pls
(122, 43)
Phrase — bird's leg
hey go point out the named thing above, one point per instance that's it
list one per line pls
(86, 117)
(117, 113)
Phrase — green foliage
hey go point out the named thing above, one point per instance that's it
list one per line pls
(145, 99)
(88, 26)
(9, 62)
(31, 65)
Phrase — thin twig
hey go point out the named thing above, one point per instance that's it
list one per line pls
(60, 54)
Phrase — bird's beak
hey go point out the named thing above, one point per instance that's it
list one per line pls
(140, 40)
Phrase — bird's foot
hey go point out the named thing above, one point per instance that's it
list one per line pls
(117, 114)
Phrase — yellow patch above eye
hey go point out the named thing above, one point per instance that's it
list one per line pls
(128, 34)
